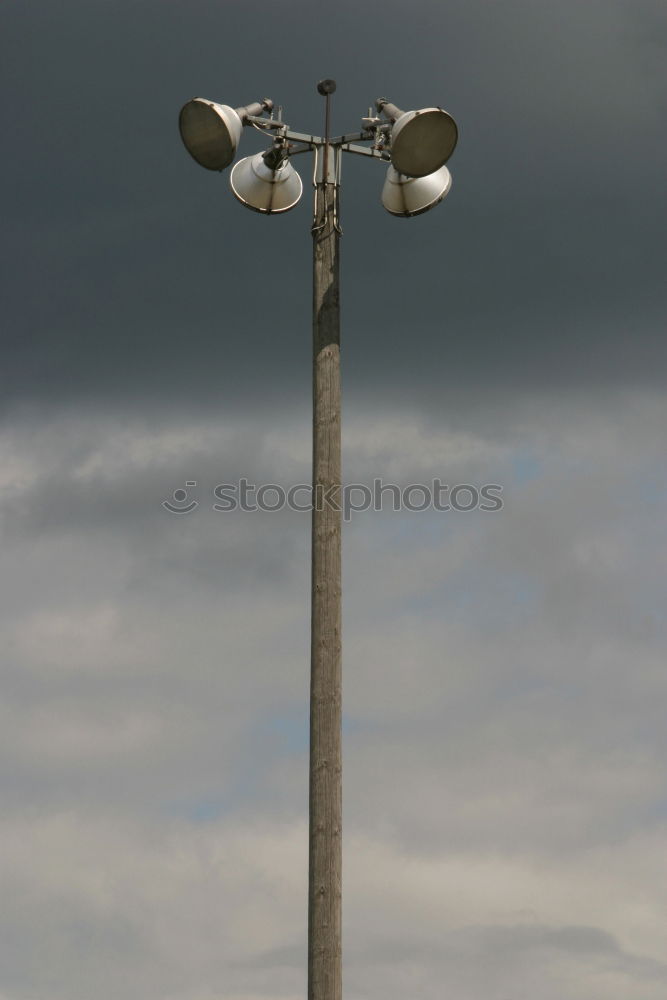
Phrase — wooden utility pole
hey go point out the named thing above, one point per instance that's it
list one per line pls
(325, 792)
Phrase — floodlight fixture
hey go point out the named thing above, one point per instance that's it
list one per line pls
(407, 196)
(421, 141)
(267, 182)
(211, 132)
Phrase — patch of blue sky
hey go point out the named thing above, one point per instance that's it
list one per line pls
(209, 808)
(532, 683)
(647, 490)
(430, 527)
(483, 598)
(657, 811)
(525, 468)
(288, 733)
(292, 730)
(207, 811)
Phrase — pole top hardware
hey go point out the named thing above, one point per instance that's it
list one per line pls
(326, 87)
(417, 143)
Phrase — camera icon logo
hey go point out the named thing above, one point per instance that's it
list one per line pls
(178, 504)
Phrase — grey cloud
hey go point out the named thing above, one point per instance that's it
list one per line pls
(469, 961)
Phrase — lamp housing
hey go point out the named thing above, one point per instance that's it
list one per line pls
(211, 132)
(421, 141)
(266, 182)
(407, 196)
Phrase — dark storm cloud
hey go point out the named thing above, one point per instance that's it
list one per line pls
(134, 275)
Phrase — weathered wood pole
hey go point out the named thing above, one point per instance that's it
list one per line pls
(325, 791)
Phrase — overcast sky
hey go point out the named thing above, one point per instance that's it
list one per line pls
(505, 805)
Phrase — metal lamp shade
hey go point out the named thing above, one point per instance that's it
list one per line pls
(265, 190)
(407, 196)
(210, 132)
(422, 141)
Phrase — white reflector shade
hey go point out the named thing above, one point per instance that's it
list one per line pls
(263, 189)
(210, 132)
(409, 196)
(422, 141)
